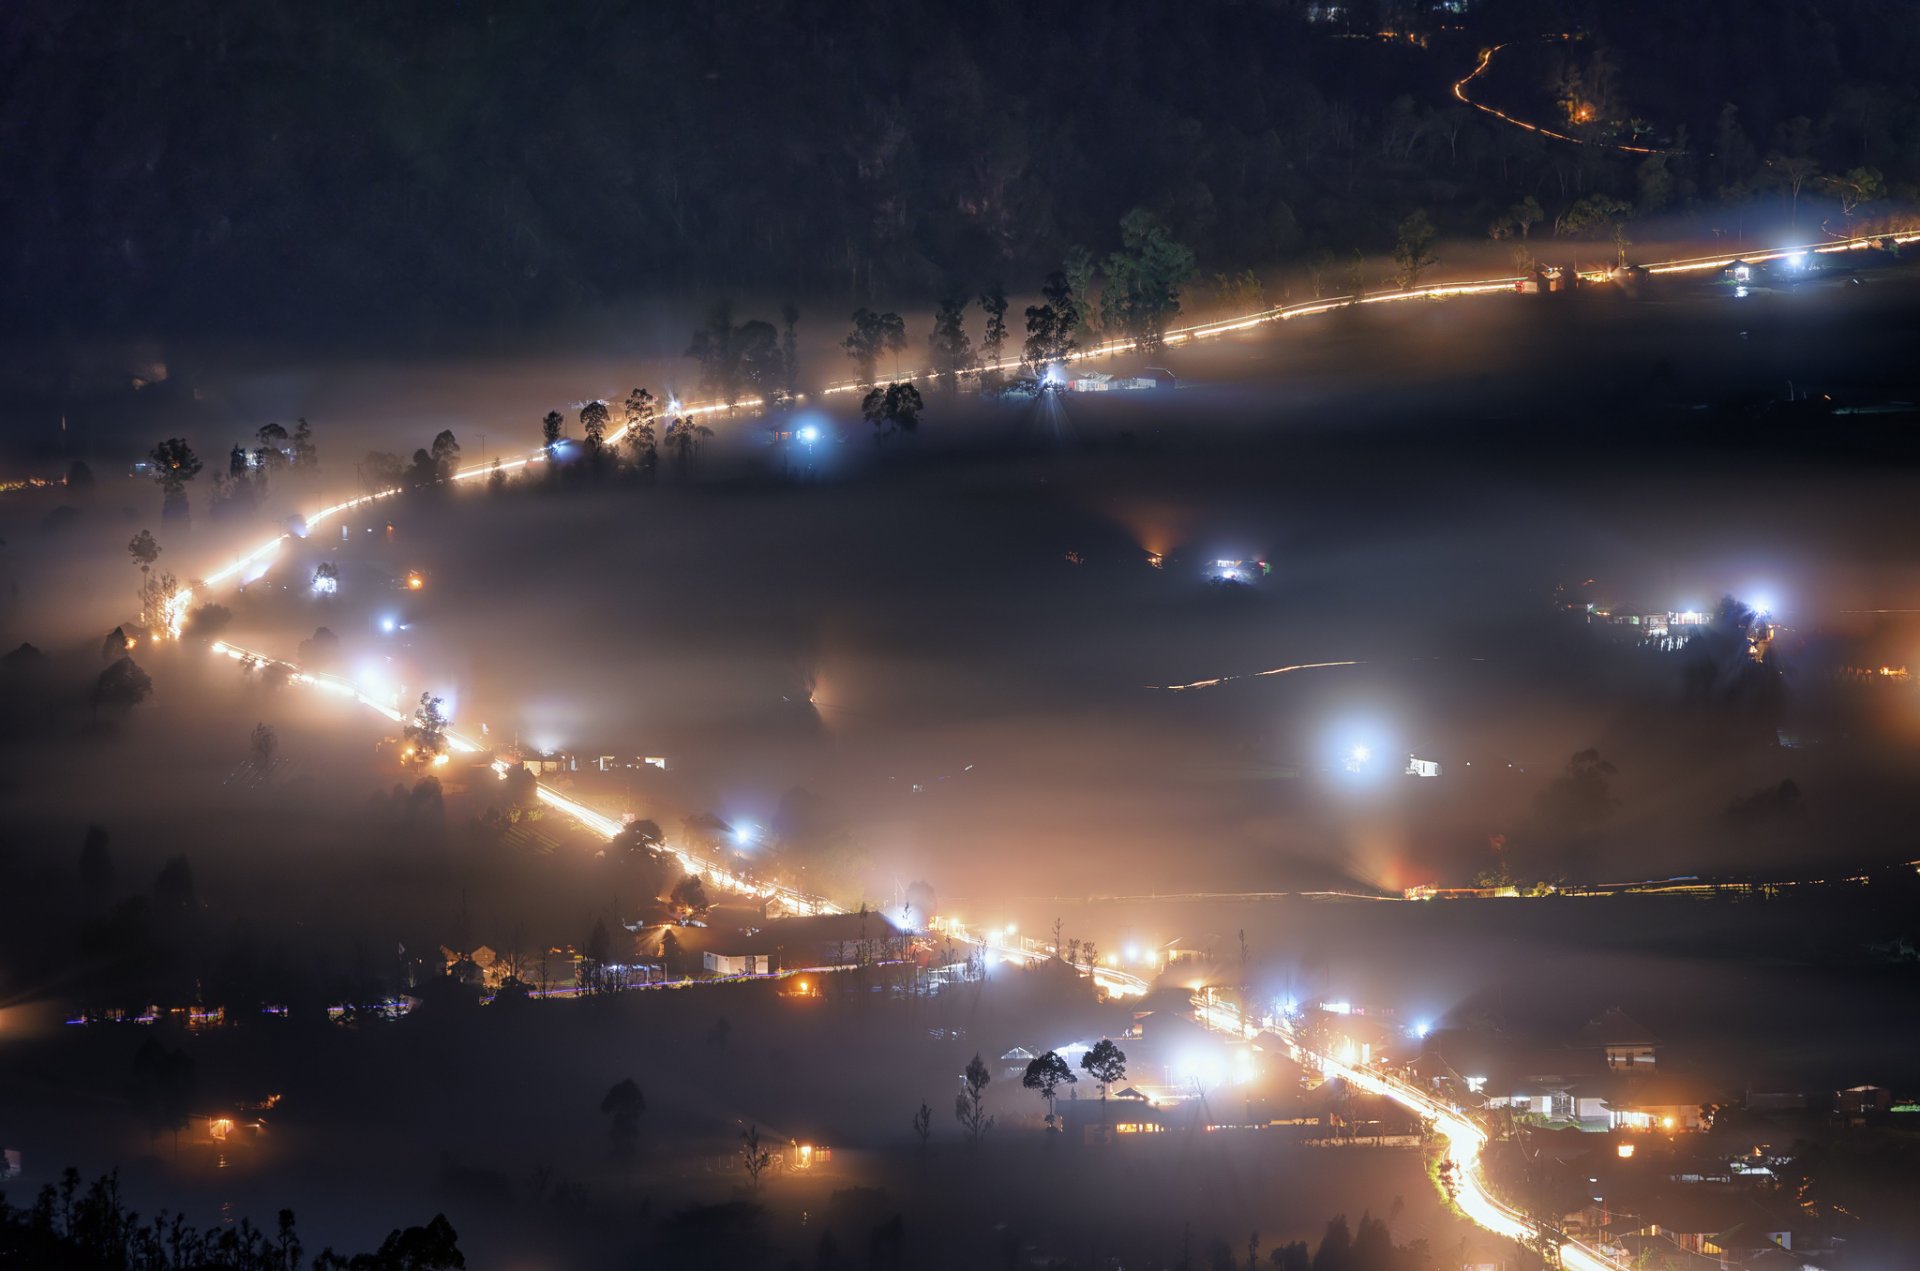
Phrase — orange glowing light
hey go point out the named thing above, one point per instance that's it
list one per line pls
(416, 580)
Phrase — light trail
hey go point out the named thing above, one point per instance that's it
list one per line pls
(1252, 675)
(1486, 58)
(182, 600)
(179, 604)
(1464, 1138)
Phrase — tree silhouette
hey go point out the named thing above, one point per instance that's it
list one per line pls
(949, 347)
(1413, 252)
(970, 1105)
(895, 408)
(144, 549)
(1106, 1063)
(1045, 1075)
(993, 343)
(426, 731)
(689, 897)
(594, 417)
(639, 415)
(174, 465)
(873, 334)
(623, 1105)
(752, 1155)
(122, 686)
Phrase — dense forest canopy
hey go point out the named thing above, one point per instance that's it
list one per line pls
(317, 168)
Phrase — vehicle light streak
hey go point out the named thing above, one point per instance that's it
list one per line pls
(1253, 675)
(1486, 57)
(1464, 1138)
(178, 605)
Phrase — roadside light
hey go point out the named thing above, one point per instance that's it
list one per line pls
(415, 580)
(220, 1128)
(1667, 1123)
(809, 434)
(1012, 930)
(1625, 1151)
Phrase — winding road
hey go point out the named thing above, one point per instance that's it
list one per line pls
(1464, 1137)
(1486, 60)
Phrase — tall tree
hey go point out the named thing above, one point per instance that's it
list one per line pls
(174, 465)
(1413, 253)
(949, 348)
(753, 1155)
(873, 334)
(145, 550)
(683, 440)
(1045, 1075)
(1050, 325)
(639, 435)
(993, 343)
(622, 1106)
(1079, 268)
(1106, 1063)
(446, 455)
(305, 453)
(970, 1105)
(593, 428)
(553, 427)
(895, 408)
(1144, 279)
(426, 730)
(735, 360)
(272, 452)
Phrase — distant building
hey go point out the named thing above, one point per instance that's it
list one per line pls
(1857, 1104)
(1626, 1045)
(1664, 1103)
(788, 944)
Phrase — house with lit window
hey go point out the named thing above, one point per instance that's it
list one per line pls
(1624, 1043)
(1665, 1103)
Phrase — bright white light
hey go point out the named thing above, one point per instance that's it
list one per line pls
(1762, 606)
(1133, 953)
(325, 585)
(387, 625)
(1422, 1029)
(673, 406)
(1739, 293)
(1360, 754)
(1797, 260)
(809, 434)
(742, 834)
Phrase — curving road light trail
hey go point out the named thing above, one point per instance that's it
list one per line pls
(1486, 59)
(1463, 1137)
